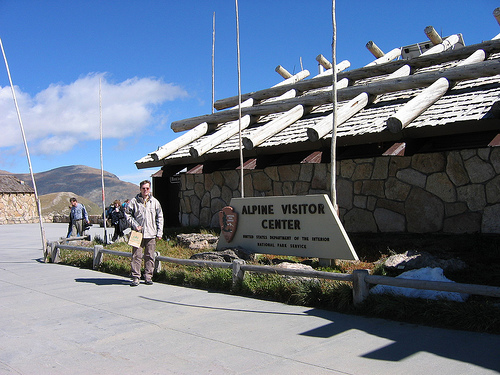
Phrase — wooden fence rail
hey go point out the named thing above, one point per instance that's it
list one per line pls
(360, 279)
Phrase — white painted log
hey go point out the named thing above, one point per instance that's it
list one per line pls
(283, 72)
(445, 45)
(496, 14)
(496, 37)
(220, 136)
(416, 106)
(476, 57)
(433, 36)
(180, 142)
(404, 71)
(294, 79)
(344, 113)
(323, 61)
(273, 127)
(483, 69)
(389, 56)
(374, 49)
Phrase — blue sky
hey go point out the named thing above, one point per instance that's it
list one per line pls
(153, 58)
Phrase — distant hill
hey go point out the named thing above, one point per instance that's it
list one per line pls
(58, 204)
(82, 181)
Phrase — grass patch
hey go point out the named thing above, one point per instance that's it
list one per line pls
(479, 314)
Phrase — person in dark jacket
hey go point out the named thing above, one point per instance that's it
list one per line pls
(118, 220)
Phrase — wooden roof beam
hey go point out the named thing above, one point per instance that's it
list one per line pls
(446, 44)
(374, 49)
(433, 36)
(349, 109)
(283, 72)
(460, 73)
(323, 80)
(420, 103)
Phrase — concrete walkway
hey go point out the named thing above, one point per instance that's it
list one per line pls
(65, 320)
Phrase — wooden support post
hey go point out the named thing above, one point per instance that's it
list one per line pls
(97, 256)
(238, 273)
(373, 48)
(157, 262)
(55, 253)
(283, 72)
(360, 290)
(433, 36)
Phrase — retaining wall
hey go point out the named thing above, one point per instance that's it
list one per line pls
(441, 192)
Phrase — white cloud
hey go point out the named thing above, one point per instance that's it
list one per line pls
(57, 118)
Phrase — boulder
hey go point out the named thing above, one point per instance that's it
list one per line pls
(197, 241)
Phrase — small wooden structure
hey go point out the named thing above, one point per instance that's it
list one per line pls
(416, 148)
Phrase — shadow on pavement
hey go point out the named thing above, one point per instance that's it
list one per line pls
(102, 281)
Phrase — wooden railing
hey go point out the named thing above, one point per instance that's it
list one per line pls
(360, 279)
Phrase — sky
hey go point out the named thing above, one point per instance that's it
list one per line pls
(137, 66)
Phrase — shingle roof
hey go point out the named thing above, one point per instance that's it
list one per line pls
(10, 184)
(472, 96)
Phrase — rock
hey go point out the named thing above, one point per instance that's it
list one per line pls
(197, 241)
(226, 255)
(294, 266)
(414, 260)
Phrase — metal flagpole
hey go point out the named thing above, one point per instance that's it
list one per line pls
(102, 167)
(39, 207)
(239, 100)
(333, 162)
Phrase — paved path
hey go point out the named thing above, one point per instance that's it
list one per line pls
(65, 320)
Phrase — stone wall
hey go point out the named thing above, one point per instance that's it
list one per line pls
(442, 192)
(17, 208)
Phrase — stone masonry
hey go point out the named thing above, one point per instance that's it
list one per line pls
(442, 192)
(18, 208)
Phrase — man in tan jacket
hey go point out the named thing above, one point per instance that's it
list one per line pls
(144, 214)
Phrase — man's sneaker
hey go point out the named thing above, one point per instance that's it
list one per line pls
(134, 282)
(148, 282)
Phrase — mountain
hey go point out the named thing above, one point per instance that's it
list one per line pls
(82, 181)
(58, 204)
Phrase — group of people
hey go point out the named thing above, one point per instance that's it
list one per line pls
(143, 213)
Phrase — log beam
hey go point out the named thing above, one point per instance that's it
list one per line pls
(445, 45)
(433, 36)
(273, 127)
(389, 56)
(323, 80)
(322, 60)
(374, 49)
(460, 73)
(283, 72)
(420, 103)
(496, 14)
(220, 136)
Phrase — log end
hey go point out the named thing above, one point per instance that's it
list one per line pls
(312, 134)
(247, 143)
(194, 152)
(394, 124)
